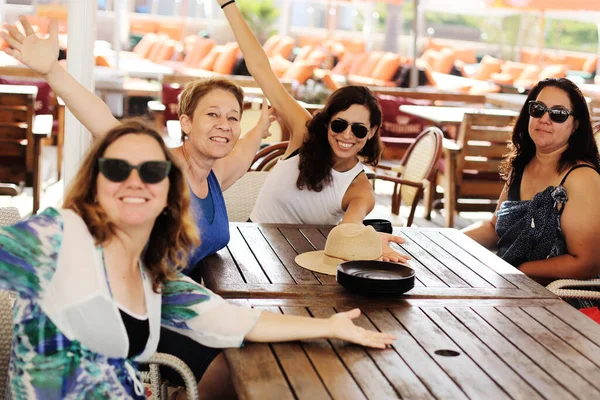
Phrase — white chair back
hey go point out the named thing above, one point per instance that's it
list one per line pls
(241, 196)
(418, 164)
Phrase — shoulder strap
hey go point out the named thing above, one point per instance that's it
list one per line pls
(514, 191)
(574, 168)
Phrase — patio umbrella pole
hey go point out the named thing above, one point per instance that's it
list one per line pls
(414, 72)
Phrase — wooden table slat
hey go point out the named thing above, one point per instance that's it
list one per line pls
(580, 322)
(263, 371)
(460, 368)
(337, 379)
(365, 372)
(265, 255)
(511, 355)
(298, 369)
(562, 373)
(432, 264)
(221, 269)
(454, 265)
(471, 262)
(287, 254)
(251, 269)
(555, 345)
(471, 344)
(424, 367)
(497, 264)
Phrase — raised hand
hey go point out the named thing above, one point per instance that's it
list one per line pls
(267, 116)
(390, 254)
(343, 328)
(38, 54)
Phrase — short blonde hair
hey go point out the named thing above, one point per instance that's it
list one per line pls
(197, 89)
(174, 233)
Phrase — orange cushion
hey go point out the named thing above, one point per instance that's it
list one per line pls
(445, 61)
(284, 47)
(487, 67)
(386, 67)
(343, 66)
(554, 71)
(156, 48)
(226, 60)
(590, 64)
(530, 72)
(166, 51)
(357, 63)
(144, 47)
(143, 26)
(317, 56)
(369, 64)
(270, 44)
(209, 61)
(429, 56)
(201, 48)
(300, 72)
(575, 62)
(513, 69)
(304, 53)
(279, 65)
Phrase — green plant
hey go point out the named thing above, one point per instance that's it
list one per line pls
(261, 16)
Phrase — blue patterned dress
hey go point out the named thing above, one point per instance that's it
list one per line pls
(69, 341)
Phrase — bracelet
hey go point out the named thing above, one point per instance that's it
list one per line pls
(226, 4)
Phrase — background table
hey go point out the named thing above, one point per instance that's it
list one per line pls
(485, 349)
(259, 262)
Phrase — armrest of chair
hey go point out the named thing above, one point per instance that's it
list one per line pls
(558, 288)
(451, 146)
(394, 168)
(42, 125)
(9, 189)
(423, 184)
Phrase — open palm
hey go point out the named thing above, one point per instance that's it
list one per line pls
(343, 328)
(38, 54)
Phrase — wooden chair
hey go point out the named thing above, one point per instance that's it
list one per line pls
(470, 168)
(267, 157)
(20, 138)
(416, 172)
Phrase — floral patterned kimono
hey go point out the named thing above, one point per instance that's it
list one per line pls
(69, 340)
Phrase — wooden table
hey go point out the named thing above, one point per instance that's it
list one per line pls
(259, 263)
(485, 349)
(450, 118)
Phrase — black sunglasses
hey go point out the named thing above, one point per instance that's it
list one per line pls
(557, 114)
(117, 170)
(339, 125)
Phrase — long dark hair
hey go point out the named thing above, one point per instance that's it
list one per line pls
(581, 146)
(316, 155)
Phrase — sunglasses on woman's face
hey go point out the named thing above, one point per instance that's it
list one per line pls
(339, 125)
(117, 170)
(557, 114)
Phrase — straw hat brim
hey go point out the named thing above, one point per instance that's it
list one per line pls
(317, 261)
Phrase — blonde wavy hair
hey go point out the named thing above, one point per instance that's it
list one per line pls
(174, 233)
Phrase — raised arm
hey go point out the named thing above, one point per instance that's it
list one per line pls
(41, 55)
(231, 168)
(293, 114)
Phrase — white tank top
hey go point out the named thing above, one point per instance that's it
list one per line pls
(280, 201)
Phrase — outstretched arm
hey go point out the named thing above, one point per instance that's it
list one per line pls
(231, 168)
(272, 327)
(293, 114)
(359, 201)
(41, 55)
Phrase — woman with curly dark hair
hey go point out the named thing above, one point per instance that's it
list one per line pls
(546, 220)
(320, 179)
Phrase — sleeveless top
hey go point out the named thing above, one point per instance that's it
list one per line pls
(530, 230)
(280, 201)
(214, 232)
(138, 332)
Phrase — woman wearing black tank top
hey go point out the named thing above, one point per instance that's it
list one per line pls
(547, 222)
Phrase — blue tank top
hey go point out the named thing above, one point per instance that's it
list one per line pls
(214, 232)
